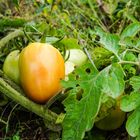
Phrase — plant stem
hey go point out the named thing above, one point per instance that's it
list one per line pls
(2, 121)
(129, 62)
(40, 110)
(10, 36)
(118, 57)
(133, 50)
(89, 57)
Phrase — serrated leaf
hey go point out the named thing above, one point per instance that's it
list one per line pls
(109, 41)
(81, 74)
(133, 123)
(135, 82)
(81, 114)
(130, 102)
(131, 30)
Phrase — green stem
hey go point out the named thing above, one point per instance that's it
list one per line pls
(129, 62)
(10, 36)
(40, 110)
(89, 57)
(2, 121)
(133, 50)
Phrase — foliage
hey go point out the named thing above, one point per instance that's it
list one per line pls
(108, 32)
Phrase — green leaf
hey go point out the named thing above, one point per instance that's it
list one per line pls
(112, 81)
(133, 123)
(109, 41)
(51, 39)
(130, 102)
(70, 43)
(135, 82)
(130, 42)
(16, 136)
(81, 113)
(129, 56)
(138, 43)
(76, 121)
(16, 2)
(101, 57)
(131, 30)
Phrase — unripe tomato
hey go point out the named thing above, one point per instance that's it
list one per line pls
(10, 66)
(76, 56)
(113, 120)
(41, 70)
(69, 67)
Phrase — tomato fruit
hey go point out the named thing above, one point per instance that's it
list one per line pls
(69, 67)
(113, 120)
(76, 56)
(41, 70)
(10, 66)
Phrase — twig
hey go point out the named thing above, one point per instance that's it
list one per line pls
(2, 121)
(89, 57)
(10, 36)
(40, 110)
(129, 62)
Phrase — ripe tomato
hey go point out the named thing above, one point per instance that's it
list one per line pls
(10, 66)
(113, 120)
(41, 70)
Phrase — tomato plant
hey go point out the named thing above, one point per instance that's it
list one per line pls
(91, 87)
(10, 66)
(41, 70)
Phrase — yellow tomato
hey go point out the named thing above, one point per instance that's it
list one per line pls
(41, 70)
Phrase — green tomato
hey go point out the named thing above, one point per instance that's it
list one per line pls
(113, 120)
(77, 56)
(69, 67)
(10, 66)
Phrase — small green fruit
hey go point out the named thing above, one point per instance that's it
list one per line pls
(76, 56)
(10, 66)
